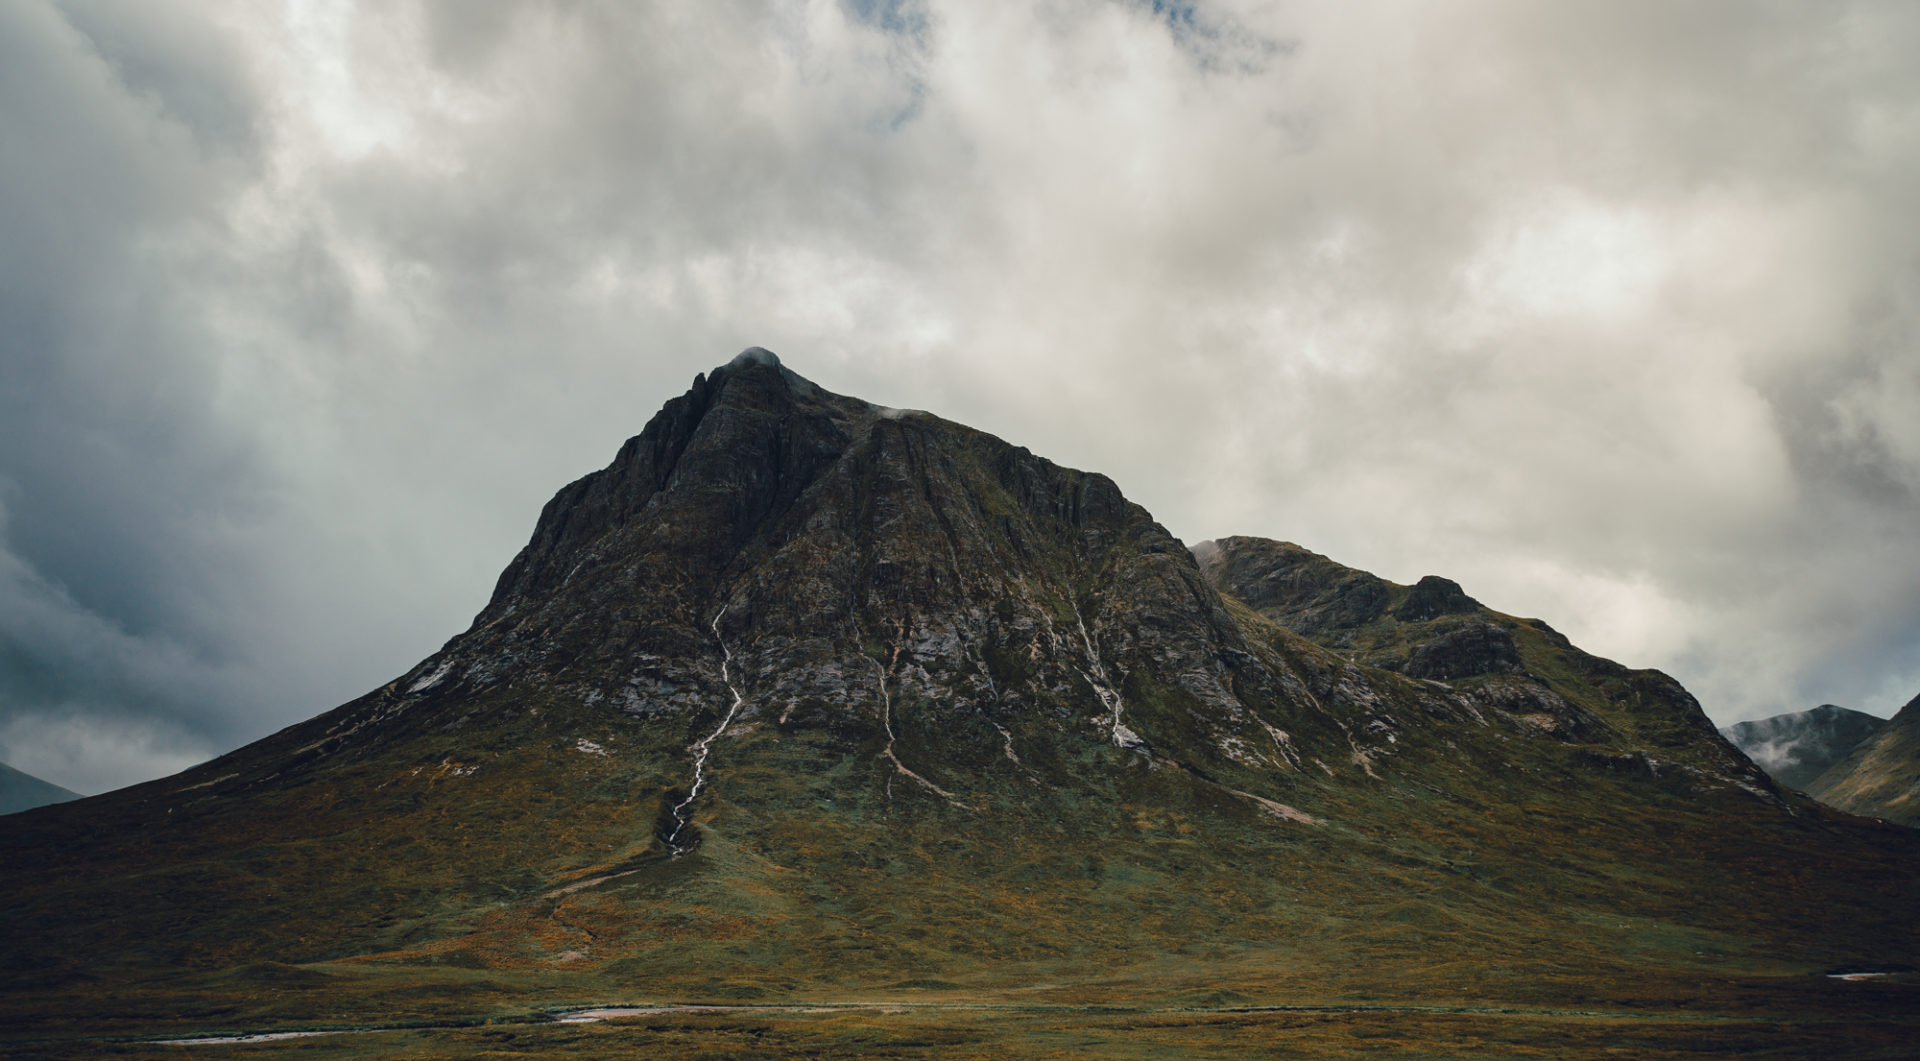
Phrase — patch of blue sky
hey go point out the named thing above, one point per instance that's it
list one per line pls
(906, 22)
(903, 18)
(1216, 42)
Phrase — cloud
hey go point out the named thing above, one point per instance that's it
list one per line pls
(1602, 309)
(119, 474)
(93, 705)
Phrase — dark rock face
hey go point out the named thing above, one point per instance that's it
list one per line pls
(1465, 649)
(849, 560)
(838, 549)
(1521, 671)
(1314, 593)
(1536, 710)
(1798, 747)
(1432, 597)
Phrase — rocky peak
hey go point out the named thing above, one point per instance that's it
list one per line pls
(811, 535)
(1298, 588)
(710, 467)
(754, 355)
(1432, 597)
(1797, 747)
(767, 552)
(1519, 669)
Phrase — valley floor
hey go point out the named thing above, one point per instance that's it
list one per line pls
(1806, 1017)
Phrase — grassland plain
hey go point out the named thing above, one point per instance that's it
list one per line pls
(993, 766)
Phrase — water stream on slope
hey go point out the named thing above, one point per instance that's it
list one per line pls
(1109, 696)
(886, 720)
(701, 747)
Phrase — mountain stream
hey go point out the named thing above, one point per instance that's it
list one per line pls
(886, 719)
(1109, 696)
(681, 813)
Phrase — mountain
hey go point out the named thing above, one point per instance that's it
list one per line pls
(1797, 747)
(804, 701)
(20, 790)
(1520, 673)
(1880, 777)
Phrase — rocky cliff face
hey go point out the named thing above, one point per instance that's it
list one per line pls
(1520, 672)
(869, 570)
(1880, 777)
(1798, 747)
(802, 691)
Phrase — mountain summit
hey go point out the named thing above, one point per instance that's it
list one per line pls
(1797, 747)
(803, 696)
(1880, 775)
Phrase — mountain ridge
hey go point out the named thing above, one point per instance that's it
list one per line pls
(1432, 631)
(1880, 776)
(20, 791)
(1797, 747)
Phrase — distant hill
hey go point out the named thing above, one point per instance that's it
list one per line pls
(22, 791)
(1881, 777)
(1799, 746)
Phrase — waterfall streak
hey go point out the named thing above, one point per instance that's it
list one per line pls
(700, 747)
(886, 719)
(1109, 696)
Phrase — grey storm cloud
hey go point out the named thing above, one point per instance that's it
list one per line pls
(1606, 310)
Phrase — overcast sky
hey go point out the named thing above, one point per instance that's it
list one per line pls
(1611, 312)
